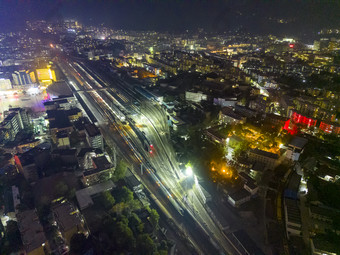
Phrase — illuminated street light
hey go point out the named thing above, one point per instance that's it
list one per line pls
(188, 171)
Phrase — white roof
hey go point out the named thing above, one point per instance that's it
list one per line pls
(84, 195)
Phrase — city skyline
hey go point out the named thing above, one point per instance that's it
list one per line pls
(290, 17)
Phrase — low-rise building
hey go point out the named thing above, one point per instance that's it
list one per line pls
(9, 211)
(295, 148)
(268, 158)
(322, 213)
(68, 219)
(216, 136)
(67, 156)
(133, 183)
(84, 196)
(277, 120)
(258, 168)
(195, 96)
(94, 137)
(249, 183)
(292, 217)
(32, 233)
(64, 103)
(322, 247)
(74, 114)
(85, 155)
(245, 111)
(27, 145)
(228, 116)
(102, 170)
(239, 197)
(292, 189)
(58, 122)
(330, 128)
(62, 139)
(26, 166)
(225, 102)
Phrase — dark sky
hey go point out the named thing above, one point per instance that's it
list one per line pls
(177, 15)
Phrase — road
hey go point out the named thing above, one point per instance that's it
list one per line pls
(162, 177)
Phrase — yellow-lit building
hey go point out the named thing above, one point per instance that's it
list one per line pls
(46, 76)
(32, 76)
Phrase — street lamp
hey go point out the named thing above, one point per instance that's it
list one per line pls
(188, 171)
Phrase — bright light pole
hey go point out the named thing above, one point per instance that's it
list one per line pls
(188, 171)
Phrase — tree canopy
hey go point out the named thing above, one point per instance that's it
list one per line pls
(145, 244)
(125, 195)
(107, 200)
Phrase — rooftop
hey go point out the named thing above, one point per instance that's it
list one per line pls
(132, 181)
(66, 216)
(326, 212)
(32, 232)
(264, 153)
(83, 151)
(73, 111)
(298, 142)
(240, 194)
(59, 88)
(293, 211)
(294, 182)
(276, 117)
(101, 162)
(84, 195)
(227, 111)
(62, 134)
(259, 167)
(58, 119)
(9, 117)
(92, 130)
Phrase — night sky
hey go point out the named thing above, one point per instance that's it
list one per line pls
(259, 16)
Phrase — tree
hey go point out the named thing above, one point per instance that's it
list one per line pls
(107, 200)
(71, 193)
(124, 236)
(120, 170)
(61, 189)
(78, 244)
(336, 221)
(135, 224)
(145, 244)
(13, 236)
(241, 147)
(154, 218)
(125, 195)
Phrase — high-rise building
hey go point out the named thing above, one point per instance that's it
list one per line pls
(21, 78)
(17, 119)
(10, 126)
(5, 84)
